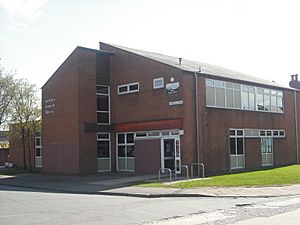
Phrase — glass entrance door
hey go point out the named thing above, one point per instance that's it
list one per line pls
(171, 154)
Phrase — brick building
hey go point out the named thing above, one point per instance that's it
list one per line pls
(121, 109)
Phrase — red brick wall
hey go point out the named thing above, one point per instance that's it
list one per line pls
(87, 111)
(16, 150)
(3, 156)
(60, 130)
(216, 122)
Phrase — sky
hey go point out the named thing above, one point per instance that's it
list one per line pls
(256, 37)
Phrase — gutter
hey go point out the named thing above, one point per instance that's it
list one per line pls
(296, 126)
(197, 119)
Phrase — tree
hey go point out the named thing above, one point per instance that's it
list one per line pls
(7, 91)
(26, 115)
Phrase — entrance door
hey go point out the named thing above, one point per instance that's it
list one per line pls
(170, 153)
(267, 151)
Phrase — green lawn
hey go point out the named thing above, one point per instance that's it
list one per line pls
(271, 177)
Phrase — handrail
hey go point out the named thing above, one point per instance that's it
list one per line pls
(187, 171)
(165, 169)
(197, 164)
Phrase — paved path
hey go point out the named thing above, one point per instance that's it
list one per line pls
(121, 184)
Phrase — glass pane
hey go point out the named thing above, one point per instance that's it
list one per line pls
(219, 83)
(240, 146)
(102, 117)
(121, 164)
(239, 133)
(103, 149)
(209, 82)
(232, 132)
(281, 133)
(103, 136)
(130, 150)
(220, 97)
(123, 89)
(130, 138)
(38, 142)
(267, 102)
(102, 103)
(275, 133)
(169, 148)
(279, 104)
(210, 96)
(229, 98)
(158, 83)
(229, 85)
(38, 152)
(237, 99)
(141, 134)
(133, 87)
(251, 105)
(102, 89)
(121, 151)
(260, 102)
(237, 87)
(245, 103)
(263, 145)
(262, 133)
(121, 138)
(232, 146)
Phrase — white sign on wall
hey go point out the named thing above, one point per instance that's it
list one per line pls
(49, 106)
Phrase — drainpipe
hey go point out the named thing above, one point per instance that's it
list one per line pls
(296, 126)
(197, 121)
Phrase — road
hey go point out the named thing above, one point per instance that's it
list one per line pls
(29, 206)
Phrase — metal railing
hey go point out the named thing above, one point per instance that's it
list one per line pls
(165, 169)
(187, 171)
(197, 164)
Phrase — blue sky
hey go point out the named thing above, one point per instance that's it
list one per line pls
(258, 37)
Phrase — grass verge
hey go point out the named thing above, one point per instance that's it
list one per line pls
(272, 177)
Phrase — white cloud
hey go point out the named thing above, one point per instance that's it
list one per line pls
(21, 12)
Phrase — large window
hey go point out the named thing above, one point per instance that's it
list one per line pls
(103, 104)
(225, 94)
(125, 148)
(236, 145)
(128, 88)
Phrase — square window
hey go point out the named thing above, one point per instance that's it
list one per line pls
(122, 89)
(102, 89)
(121, 138)
(134, 87)
(158, 83)
(129, 138)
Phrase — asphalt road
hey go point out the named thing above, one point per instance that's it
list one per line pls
(28, 206)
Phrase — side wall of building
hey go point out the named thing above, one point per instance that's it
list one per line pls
(215, 125)
(60, 116)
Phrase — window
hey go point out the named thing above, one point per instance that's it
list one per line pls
(38, 144)
(158, 83)
(125, 151)
(236, 149)
(267, 151)
(128, 88)
(103, 104)
(233, 95)
(103, 145)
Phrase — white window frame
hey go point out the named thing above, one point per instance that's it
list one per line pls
(265, 92)
(159, 86)
(124, 144)
(109, 146)
(99, 111)
(38, 146)
(128, 88)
